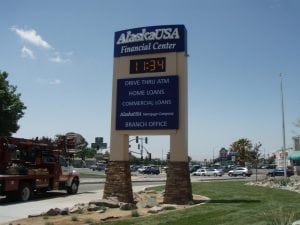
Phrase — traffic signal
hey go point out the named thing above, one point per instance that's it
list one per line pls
(137, 139)
(146, 140)
(98, 140)
(149, 156)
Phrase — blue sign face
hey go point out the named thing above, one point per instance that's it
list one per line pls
(149, 40)
(148, 103)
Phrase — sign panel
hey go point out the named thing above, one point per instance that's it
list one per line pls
(147, 103)
(149, 40)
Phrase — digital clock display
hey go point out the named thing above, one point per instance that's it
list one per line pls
(150, 65)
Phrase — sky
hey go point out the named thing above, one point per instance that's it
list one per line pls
(59, 54)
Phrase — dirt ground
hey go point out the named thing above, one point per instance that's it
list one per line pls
(86, 217)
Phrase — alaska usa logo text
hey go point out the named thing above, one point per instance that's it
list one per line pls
(157, 34)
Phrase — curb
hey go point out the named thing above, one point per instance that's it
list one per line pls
(102, 181)
(133, 181)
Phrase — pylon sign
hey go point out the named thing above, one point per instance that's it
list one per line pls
(147, 95)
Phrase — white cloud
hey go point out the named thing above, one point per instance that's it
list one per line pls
(47, 81)
(58, 59)
(69, 54)
(27, 53)
(55, 82)
(31, 37)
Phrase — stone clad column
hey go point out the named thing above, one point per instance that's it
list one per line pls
(178, 185)
(118, 175)
(118, 181)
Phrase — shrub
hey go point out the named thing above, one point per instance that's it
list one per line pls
(49, 223)
(281, 217)
(89, 221)
(169, 207)
(74, 218)
(135, 213)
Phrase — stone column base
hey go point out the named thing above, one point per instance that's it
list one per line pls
(118, 181)
(178, 185)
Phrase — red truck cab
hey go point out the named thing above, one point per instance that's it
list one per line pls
(31, 166)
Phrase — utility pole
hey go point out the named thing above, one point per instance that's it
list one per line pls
(283, 128)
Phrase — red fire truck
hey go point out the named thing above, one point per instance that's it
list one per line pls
(31, 166)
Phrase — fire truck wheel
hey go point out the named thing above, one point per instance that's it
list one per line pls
(73, 189)
(25, 192)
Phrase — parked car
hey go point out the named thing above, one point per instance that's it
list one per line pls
(151, 170)
(142, 169)
(194, 168)
(98, 166)
(93, 167)
(208, 172)
(134, 168)
(199, 172)
(240, 171)
(280, 172)
(213, 172)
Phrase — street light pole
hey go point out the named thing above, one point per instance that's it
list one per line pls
(283, 127)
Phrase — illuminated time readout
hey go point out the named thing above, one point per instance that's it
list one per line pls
(150, 65)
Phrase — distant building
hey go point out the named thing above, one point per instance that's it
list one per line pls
(279, 158)
(297, 143)
(223, 153)
(294, 156)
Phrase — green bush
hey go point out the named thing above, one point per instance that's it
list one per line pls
(135, 213)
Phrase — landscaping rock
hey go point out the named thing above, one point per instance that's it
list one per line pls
(155, 209)
(127, 206)
(101, 210)
(65, 211)
(53, 212)
(290, 184)
(77, 208)
(109, 218)
(296, 222)
(35, 215)
(105, 202)
(93, 207)
(148, 202)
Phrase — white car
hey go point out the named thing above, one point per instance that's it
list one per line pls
(199, 172)
(240, 171)
(214, 172)
(142, 169)
(208, 172)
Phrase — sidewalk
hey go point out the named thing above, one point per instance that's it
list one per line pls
(14, 211)
(161, 178)
(140, 178)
